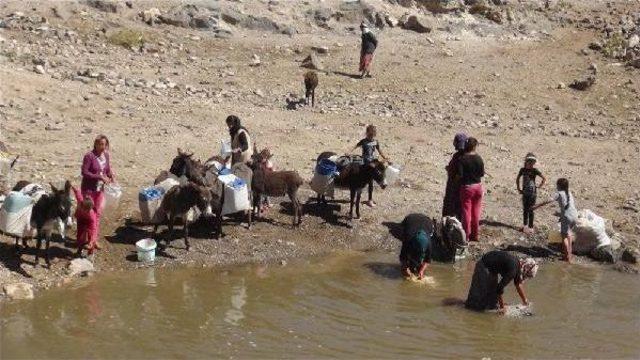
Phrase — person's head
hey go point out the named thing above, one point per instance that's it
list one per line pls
(86, 204)
(101, 144)
(530, 161)
(233, 121)
(371, 131)
(460, 141)
(528, 268)
(562, 184)
(471, 145)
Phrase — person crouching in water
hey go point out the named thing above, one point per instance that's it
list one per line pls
(567, 214)
(486, 291)
(529, 189)
(367, 48)
(87, 223)
(369, 147)
(416, 251)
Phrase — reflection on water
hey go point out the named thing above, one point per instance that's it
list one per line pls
(238, 300)
(351, 306)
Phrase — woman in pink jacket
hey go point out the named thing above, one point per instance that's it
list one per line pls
(96, 172)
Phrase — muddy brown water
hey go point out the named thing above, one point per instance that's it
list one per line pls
(351, 305)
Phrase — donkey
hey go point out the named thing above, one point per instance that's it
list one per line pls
(179, 200)
(50, 210)
(276, 183)
(185, 165)
(355, 176)
(310, 84)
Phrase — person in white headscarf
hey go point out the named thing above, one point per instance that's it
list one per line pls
(486, 291)
(368, 47)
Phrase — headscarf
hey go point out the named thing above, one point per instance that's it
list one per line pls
(528, 268)
(460, 141)
(364, 27)
(530, 157)
(235, 125)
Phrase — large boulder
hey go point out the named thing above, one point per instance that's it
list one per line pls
(417, 23)
(236, 18)
(18, 291)
(191, 16)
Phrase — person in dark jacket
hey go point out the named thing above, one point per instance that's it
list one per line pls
(416, 251)
(368, 47)
(451, 205)
(486, 291)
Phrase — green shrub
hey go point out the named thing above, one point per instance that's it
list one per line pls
(128, 38)
(614, 45)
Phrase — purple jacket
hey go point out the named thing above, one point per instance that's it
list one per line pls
(91, 171)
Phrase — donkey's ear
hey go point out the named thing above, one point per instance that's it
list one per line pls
(180, 151)
(53, 188)
(67, 186)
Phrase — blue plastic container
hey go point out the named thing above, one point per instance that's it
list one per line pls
(326, 167)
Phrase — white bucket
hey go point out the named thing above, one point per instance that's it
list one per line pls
(146, 250)
(112, 195)
(391, 174)
(225, 148)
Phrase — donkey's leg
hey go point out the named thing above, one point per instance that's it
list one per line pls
(358, 196)
(170, 227)
(46, 250)
(352, 197)
(38, 245)
(186, 234)
(313, 98)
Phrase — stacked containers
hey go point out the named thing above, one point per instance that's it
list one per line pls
(322, 181)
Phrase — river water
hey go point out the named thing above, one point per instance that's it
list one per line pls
(351, 305)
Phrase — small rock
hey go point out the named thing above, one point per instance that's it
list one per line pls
(18, 291)
(584, 83)
(562, 85)
(80, 267)
(320, 49)
(255, 61)
(39, 69)
(633, 41)
(417, 24)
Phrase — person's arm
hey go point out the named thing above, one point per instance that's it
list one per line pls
(520, 290)
(518, 181)
(244, 143)
(374, 41)
(109, 172)
(86, 169)
(423, 267)
(544, 179)
(380, 152)
(77, 194)
(482, 173)
(501, 302)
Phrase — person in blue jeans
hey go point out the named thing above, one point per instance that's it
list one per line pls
(370, 148)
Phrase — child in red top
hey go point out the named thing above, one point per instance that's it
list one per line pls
(87, 219)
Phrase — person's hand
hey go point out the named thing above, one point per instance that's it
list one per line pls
(520, 191)
(502, 310)
(106, 179)
(526, 302)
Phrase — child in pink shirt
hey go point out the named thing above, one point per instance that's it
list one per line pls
(87, 219)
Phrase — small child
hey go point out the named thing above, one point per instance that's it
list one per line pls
(267, 166)
(87, 226)
(528, 173)
(567, 214)
(369, 147)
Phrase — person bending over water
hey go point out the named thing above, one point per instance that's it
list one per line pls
(416, 251)
(486, 291)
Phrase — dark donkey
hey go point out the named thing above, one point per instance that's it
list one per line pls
(47, 211)
(276, 183)
(355, 176)
(179, 200)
